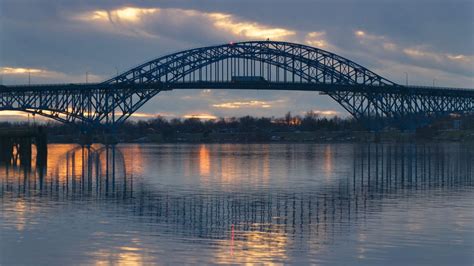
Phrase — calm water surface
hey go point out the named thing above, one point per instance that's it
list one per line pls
(338, 204)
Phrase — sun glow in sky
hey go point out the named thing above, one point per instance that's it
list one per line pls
(19, 70)
(247, 104)
(124, 14)
(225, 22)
(201, 116)
(251, 30)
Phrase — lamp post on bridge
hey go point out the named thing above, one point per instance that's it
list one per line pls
(406, 78)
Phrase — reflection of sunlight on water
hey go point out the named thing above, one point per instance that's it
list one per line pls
(20, 211)
(328, 167)
(17, 160)
(218, 165)
(57, 159)
(253, 168)
(204, 161)
(18, 214)
(133, 158)
(262, 243)
(122, 255)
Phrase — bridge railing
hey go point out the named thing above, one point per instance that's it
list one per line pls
(439, 88)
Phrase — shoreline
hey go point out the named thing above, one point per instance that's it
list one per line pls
(279, 137)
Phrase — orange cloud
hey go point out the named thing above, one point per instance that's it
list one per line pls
(200, 116)
(13, 113)
(247, 104)
(131, 20)
(151, 115)
(44, 73)
(248, 29)
(124, 14)
(318, 39)
(21, 70)
(375, 40)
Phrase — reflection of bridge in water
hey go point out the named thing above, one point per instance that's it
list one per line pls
(379, 172)
(16, 147)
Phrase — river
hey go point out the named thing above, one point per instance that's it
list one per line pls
(367, 204)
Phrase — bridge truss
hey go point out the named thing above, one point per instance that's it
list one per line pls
(263, 65)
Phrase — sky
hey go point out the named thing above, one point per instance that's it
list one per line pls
(427, 41)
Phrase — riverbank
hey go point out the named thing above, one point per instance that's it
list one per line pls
(283, 137)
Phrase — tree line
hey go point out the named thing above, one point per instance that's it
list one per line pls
(247, 124)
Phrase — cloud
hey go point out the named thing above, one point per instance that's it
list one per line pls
(17, 116)
(422, 75)
(319, 39)
(143, 21)
(200, 116)
(375, 40)
(380, 48)
(416, 52)
(121, 15)
(243, 104)
(43, 75)
(7, 71)
(420, 53)
(248, 29)
(125, 20)
(13, 113)
(145, 115)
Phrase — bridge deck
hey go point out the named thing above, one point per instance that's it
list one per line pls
(289, 86)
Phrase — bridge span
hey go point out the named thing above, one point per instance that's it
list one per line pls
(256, 65)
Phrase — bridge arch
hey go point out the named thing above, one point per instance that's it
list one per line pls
(273, 61)
(310, 64)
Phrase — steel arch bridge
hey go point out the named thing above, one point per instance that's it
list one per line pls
(262, 65)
